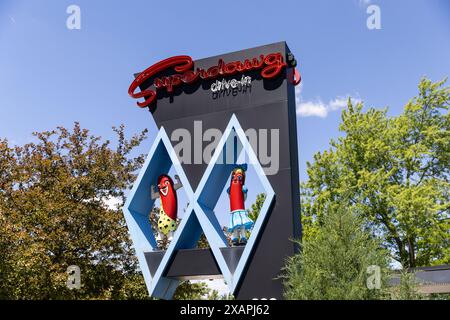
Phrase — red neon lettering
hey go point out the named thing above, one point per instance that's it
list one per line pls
(275, 64)
(272, 65)
(179, 63)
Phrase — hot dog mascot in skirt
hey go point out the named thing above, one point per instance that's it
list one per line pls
(239, 220)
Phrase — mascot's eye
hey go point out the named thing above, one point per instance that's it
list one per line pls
(167, 183)
(240, 178)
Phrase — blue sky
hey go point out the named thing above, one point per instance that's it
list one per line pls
(51, 76)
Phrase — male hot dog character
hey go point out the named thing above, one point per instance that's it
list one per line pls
(239, 220)
(167, 222)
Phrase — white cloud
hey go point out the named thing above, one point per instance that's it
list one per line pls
(312, 109)
(338, 103)
(318, 108)
(364, 2)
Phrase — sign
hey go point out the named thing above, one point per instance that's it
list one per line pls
(257, 98)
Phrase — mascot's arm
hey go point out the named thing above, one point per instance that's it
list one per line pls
(177, 185)
(153, 195)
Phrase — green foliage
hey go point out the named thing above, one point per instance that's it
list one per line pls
(396, 171)
(198, 291)
(214, 295)
(309, 214)
(191, 291)
(253, 213)
(333, 264)
(439, 296)
(203, 242)
(54, 213)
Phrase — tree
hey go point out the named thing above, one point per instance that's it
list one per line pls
(54, 213)
(191, 291)
(310, 216)
(396, 171)
(253, 213)
(334, 263)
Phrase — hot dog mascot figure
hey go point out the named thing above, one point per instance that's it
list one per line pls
(239, 220)
(167, 222)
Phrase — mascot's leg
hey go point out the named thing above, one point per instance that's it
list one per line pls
(243, 235)
(235, 237)
(170, 236)
(160, 236)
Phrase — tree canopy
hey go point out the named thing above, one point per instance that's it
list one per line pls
(395, 170)
(334, 263)
(54, 213)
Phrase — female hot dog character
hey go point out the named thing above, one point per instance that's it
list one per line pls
(239, 220)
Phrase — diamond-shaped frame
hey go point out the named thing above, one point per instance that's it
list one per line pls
(159, 160)
(208, 192)
(199, 214)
